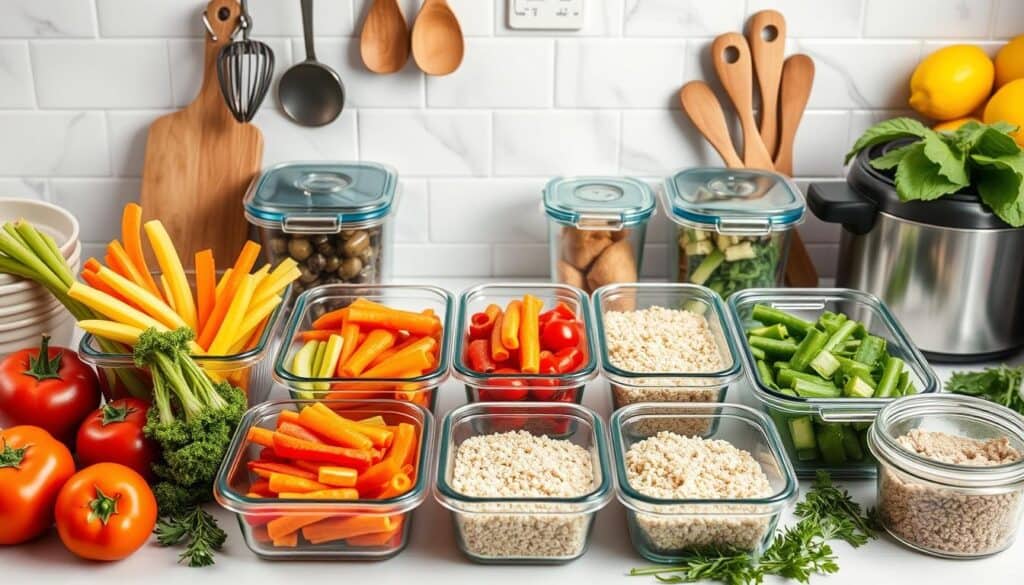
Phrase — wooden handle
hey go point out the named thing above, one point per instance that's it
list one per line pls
(222, 16)
(797, 81)
(703, 109)
(766, 33)
(731, 56)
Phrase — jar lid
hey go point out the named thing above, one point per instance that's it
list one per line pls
(733, 200)
(319, 197)
(598, 202)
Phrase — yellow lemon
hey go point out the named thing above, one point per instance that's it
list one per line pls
(1007, 105)
(952, 125)
(951, 82)
(1010, 62)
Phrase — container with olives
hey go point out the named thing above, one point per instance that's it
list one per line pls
(332, 218)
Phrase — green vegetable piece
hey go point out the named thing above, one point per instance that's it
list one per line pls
(903, 382)
(774, 347)
(707, 266)
(807, 454)
(758, 353)
(796, 326)
(888, 385)
(776, 331)
(801, 429)
(699, 248)
(809, 347)
(786, 377)
(765, 373)
(861, 426)
(830, 322)
(825, 364)
(742, 251)
(302, 366)
(870, 351)
(808, 389)
(830, 444)
(851, 444)
(781, 365)
(856, 387)
(841, 334)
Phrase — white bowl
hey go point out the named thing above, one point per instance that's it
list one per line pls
(61, 332)
(37, 306)
(33, 326)
(55, 221)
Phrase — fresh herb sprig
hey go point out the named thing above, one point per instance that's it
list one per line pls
(1001, 385)
(801, 551)
(198, 530)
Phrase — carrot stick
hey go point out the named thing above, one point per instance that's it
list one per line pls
(399, 484)
(398, 364)
(280, 482)
(328, 494)
(243, 266)
(293, 448)
(131, 233)
(381, 436)
(93, 279)
(347, 527)
(287, 541)
(255, 319)
(285, 525)
(397, 347)
(529, 335)
(337, 476)
(206, 286)
(378, 538)
(377, 421)
(153, 305)
(224, 278)
(350, 335)
(117, 259)
(298, 431)
(394, 319)
(319, 335)
(261, 436)
(333, 428)
(404, 446)
(262, 488)
(288, 416)
(265, 468)
(377, 341)
(232, 321)
(510, 325)
(499, 352)
(332, 319)
(91, 264)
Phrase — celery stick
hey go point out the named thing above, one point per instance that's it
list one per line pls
(707, 267)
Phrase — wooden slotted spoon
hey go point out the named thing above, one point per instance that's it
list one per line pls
(766, 33)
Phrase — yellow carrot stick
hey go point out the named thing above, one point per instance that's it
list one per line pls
(233, 318)
(144, 299)
(285, 266)
(223, 280)
(510, 325)
(111, 330)
(529, 335)
(274, 285)
(167, 293)
(253, 317)
(112, 308)
(260, 276)
(170, 265)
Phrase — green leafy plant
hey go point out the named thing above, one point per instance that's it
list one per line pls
(826, 513)
(1001, 385)
(198, 530)
(937, 164)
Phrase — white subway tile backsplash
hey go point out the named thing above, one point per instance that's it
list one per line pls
(440, 260)
(655, 261)
(605, 73)
(363, 88)
(861, 74)
(56, 144)
(47, 18)
(16, 76)
(523, 79)
(681, 18)
(1009, 20)
(427, 143)
(186, 61)
(126, 134)
(284, 18)
(411, 220)
(91, 74)
(284, 140)
(927, 18)
(815, 18)
(150, 18)
(476, 17)
(556, 142)
(487, 210)
(522, 260)
(658, 142)
(819, 147)
(23, 188)
(96, 204)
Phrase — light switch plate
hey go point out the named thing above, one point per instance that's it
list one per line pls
(545, 14)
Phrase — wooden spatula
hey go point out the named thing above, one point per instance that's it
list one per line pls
(704, 110)
(731, 56)
(766, 33)
(200, 160)
(797, 80)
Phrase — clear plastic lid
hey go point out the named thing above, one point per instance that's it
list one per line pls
(733, 200)
(321, 197)
(598, 202)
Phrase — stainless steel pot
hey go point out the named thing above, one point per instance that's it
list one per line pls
(949, 269)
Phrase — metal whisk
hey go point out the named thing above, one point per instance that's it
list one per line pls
(245, 69)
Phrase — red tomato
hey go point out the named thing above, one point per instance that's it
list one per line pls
(113, 434)
(105, 512)
(550, 368)
(568, 360)
(33, 467)
(55, 392)
(560, 334)
(508, 390)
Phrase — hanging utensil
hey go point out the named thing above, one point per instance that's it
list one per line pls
(311, 93)
(437, 43)
(731, 56)
(245, 69)
(704, 110)
(384, 41)
(766, 33)
(797, 80)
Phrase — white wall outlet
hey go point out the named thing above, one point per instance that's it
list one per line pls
(545, 14)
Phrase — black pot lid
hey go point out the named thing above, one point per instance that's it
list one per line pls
(961, 210)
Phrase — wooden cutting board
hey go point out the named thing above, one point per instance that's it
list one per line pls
(200, 160)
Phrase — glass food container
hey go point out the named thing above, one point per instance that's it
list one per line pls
(596, 229)
(852, 416)
(497, 386)
(333, 218)
(734, 227)
(316, 302)
(669, 530)
(364, 538)
(537, 530)
(247, 369)
(667, 386)
(945, 509)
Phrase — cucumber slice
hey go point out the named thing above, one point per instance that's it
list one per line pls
(851, 444)
(856, 387)
(742, 251)
(707, 266)
(830, 444)
(808, 389)
(825, 364)
(699, 248)
(801, 429)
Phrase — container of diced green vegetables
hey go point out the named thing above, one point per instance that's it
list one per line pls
(822, 363)
(733, 227)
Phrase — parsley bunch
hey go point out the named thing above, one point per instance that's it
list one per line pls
(1001, 385)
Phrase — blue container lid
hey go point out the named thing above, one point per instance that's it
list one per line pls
(320, 197)
(733, 200)
(605, 202)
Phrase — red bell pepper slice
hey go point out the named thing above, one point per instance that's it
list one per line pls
(478, 355)
(481, 324)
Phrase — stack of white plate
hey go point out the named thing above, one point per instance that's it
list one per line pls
(27, 310)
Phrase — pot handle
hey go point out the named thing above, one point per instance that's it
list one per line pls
(839, 203)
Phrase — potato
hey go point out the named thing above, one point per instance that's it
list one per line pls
(616, 264)
(567, 274)
(581, 247)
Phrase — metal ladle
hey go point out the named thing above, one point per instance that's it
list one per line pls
(311, 93)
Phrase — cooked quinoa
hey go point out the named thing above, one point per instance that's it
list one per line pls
(672, 466)
(944, 519)
(518, 464)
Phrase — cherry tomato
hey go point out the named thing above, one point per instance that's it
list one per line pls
(105, 512)
(33, 467)
(506, 390)
(568, 360)
(548, 367)
(49, 387)
(113, 434)
(560, 334)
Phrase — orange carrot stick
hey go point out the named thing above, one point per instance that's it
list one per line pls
(499, 352)
(377, 475)
(404, 446)
(92, 265)
(299, 431)
(337, 476)
(280, 482)
(390, 538)
(399, 345)
(381, 436)
(118, 261)
(285, 525)
(350, 339)
(328, 494)
(347, 527)
(510, 325)
(243, 265)
(332, 319)
(287, 541)
(394, 319)
(333, 428)
(529, 335)
(287, 416)
(317, 334)
(400, 363)
(131, 233)
(376, 341)
(93, 279)
(261, 436)
(400, 483)
(265, 468)
(206, 286)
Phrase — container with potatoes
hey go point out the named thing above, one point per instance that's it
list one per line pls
(596, 229)
(332, 218)
(734, 227)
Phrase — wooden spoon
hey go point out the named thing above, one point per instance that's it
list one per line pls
(701, 105)
(437, 44)
(766, 33)
(731, 56)
(384, 41)
(797, 80)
